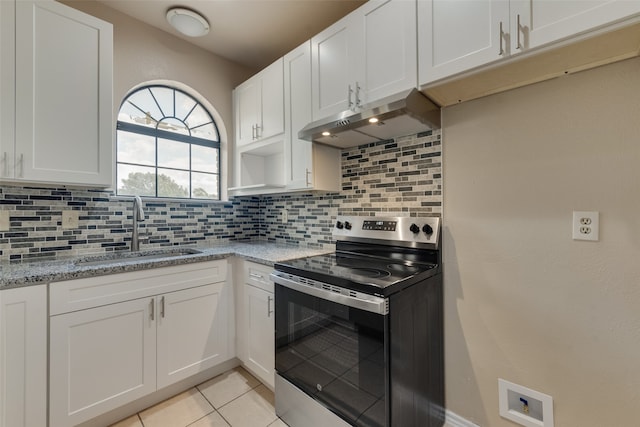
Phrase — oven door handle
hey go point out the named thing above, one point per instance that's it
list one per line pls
(364, 302)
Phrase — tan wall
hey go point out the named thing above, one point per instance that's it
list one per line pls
(525, 302)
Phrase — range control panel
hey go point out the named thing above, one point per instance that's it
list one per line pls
(407, 231)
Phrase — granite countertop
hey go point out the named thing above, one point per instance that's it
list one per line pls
(15, 275)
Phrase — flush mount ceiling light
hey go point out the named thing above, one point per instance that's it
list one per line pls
(188, 22)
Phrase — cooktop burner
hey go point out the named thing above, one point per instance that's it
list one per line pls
(362, 273)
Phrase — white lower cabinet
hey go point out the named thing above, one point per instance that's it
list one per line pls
(187, 342)
(101, 358)
(23, 357)
(106, 356)
(257, 333)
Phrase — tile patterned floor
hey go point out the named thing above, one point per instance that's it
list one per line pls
(233, 399)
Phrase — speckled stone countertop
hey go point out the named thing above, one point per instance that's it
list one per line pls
(36, 272)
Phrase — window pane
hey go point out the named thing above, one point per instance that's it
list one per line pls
(206, 132)
(205, 186)
(173, 154)
(144, 101)
(204, 159)
(136, 148)
(136, 180)
(184, 105)
(164, 96)
(198, 117)
(173, 183)
(173, 125)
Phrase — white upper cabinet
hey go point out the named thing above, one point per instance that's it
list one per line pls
(308, 165)
(538, 22)
(259, 106)
(369, 54)
(390, 48)
(7, 87)
(63, 95)
(457, 36)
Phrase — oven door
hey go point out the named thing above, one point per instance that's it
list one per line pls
(335, 349)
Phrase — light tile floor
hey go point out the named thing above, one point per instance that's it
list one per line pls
(234, 399)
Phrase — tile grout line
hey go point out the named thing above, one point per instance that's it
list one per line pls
(213, 406)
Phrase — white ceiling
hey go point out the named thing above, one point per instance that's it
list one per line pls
(253, 33)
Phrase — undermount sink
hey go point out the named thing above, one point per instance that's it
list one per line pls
(136, 256)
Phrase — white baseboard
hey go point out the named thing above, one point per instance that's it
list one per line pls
(455, 420)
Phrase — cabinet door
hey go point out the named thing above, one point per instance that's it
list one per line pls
(7, 87)
(390, 48)
(456, 36)
(546, 21)
(64, 117)
(247, 108)
(333, 84)
(100, 359)
(192, 331)
(297, 93)
(23, 357)
(259, 324)
(272, 100)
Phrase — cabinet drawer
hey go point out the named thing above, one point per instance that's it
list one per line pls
(258, 275)
(80, 294)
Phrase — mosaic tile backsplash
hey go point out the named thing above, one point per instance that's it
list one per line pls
(395, 177)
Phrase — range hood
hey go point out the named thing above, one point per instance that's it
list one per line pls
(407, 113)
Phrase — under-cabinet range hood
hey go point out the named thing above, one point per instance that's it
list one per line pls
(407, 113)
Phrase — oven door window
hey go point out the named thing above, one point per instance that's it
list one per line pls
(334, 353)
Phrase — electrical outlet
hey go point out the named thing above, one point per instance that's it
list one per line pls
(285, 215)
(586, 225)
(70, 219)
(5, 221)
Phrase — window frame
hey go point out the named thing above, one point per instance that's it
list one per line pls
(157, 134)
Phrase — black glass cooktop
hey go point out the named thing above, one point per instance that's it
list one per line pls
(367, 274)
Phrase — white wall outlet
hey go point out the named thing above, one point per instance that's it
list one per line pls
(70, 219)
(586, 225)
(524, 406)
(285, 215)
(5, 221)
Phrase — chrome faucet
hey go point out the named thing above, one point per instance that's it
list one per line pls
(138, 215)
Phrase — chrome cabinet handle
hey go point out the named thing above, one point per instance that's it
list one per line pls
(269, 311)
(501, 36)
(258, 133)
(518, 28)
(253, 132)
(162, 307)
(358, 100)
(308, 173)
(256, 276)
(153, 309)
(21, 164)
(349, 92)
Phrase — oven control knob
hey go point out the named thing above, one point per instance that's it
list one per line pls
(427, 229)
(414, 229)
(339, 225)
(347, 225)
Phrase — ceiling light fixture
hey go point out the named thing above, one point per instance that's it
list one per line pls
(187, 22)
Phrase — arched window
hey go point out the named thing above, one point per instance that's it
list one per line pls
(167, 146)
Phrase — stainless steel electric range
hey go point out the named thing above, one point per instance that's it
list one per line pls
(359, 332)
